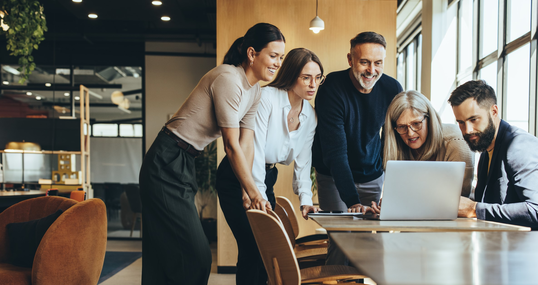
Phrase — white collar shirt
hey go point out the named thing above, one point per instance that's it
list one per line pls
(273, 143)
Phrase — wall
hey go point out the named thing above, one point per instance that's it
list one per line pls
(343, 20)
(169, 81)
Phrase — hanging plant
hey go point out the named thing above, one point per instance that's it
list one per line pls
(25, 24)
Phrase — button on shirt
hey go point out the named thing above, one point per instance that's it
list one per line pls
(273, 143)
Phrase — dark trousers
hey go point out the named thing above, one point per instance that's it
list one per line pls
(174, 247)
(250, 269)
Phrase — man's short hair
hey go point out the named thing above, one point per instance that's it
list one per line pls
(479, 90)
(368, 37)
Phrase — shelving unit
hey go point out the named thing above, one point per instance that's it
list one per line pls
(85, 140)
(84, 152)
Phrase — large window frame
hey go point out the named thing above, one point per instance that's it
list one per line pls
(409, 57)
(504, 49)
(500, 56)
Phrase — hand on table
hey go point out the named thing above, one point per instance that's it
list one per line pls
(305, 209)
(358, 208)
(467, 208)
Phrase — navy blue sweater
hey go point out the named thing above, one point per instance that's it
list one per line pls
(347, 144)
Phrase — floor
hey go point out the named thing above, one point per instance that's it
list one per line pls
(132, 274)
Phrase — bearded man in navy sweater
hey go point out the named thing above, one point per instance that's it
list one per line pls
(351, 107)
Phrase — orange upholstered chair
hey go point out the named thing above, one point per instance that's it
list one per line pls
(72, 250)
(78, 195)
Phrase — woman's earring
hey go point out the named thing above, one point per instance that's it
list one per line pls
(251, 62)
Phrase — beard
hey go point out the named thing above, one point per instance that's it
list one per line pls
(484, 138)
(358, 77)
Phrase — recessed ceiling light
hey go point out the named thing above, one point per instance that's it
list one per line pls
(38, 97)
(157, 3)
(77, 1)
(5, 82)
(29, 93)
(77, 98)
(92, 16)
(165, 18)
(66, 94)
(48, 84)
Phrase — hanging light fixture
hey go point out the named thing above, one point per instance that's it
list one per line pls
(317, 23)
(3, 26)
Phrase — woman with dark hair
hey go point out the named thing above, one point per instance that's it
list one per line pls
(224, 103)
(285, 127)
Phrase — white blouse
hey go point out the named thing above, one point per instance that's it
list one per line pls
(273, 143)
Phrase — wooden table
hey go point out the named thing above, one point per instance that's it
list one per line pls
(347, 223)
(443, 258)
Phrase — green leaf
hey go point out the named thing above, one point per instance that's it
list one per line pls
(27, 26)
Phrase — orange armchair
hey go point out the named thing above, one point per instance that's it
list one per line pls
(72, 250)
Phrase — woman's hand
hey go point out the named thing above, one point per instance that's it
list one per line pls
(259, 203)
(246, 201)
(308, 209)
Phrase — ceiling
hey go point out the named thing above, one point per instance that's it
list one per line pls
(114, 41)
(131, 20)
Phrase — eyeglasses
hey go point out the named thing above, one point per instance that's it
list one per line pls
(307, 79)
(414, 126)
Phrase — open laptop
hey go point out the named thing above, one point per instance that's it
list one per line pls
(422, 190)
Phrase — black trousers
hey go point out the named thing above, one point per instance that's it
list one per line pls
(250, 269)
(174, 247)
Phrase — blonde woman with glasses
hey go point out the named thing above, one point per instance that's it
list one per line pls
(284, 132)
(413, 131)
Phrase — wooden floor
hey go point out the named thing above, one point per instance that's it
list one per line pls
(132, 274)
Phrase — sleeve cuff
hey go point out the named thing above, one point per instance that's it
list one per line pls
(305, 199)
(480, 211)
(353, 201)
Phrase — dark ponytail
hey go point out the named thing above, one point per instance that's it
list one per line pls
(256, 37)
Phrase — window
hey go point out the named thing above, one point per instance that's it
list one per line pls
(519, 19)
(117, 130)
(465, 37)
(130, 130)
(409, 63)
(495, 40)
(105, 130)
(517, 88)
(508, 70)
(489, 74)
(489, 22)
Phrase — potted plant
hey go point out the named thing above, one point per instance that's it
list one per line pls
(24, 25)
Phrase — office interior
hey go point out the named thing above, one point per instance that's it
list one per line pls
(140, 67)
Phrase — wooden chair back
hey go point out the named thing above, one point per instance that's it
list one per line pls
(288, 206)
(275, 248)
(283, 215)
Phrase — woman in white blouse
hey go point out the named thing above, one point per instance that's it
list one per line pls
(284, 132)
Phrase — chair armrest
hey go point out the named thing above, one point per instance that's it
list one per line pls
(27, 210)
(73, 249)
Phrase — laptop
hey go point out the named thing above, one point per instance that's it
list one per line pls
(422, 190)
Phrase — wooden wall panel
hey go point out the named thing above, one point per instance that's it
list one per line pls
(343, 20)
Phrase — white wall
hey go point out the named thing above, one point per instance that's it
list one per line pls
(169, 81)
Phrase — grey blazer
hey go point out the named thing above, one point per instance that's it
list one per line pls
(509, 193)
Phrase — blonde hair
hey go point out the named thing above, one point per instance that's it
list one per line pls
(395, 148)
